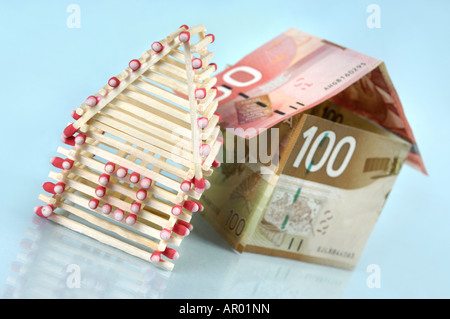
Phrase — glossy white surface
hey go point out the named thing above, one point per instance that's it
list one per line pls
(54, 262)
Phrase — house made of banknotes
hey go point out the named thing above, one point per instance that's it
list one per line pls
(314, 137)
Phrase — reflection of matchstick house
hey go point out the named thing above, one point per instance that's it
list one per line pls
(142, 147)
(290, 212)
(55, 262)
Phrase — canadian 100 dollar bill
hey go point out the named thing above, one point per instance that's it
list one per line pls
(321, 205)
(296, 71)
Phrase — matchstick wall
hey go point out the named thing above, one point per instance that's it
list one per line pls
(139, 150)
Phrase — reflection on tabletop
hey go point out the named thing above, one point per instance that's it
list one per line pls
(55, 262)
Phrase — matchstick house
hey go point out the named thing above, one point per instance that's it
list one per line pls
(139, 151)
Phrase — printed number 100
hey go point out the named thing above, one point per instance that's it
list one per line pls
(330, 154)
(235, 223)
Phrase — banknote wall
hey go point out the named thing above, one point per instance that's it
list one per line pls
(314, 136)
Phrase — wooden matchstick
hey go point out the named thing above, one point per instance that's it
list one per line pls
(193, 111)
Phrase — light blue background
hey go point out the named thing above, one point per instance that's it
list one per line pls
(48, 69)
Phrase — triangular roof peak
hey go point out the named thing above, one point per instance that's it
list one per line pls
(142, 147)
(298, 71)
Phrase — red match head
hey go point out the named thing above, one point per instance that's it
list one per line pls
(134, 177)
(199, 185)
(121, 172)
(47, 210)
(157, 47)
(200, 93)
(141, 194)
(110, 167)
(113, 82)
(215, 163)
(214, 66)
(44, 213)
(185, 224)
(196, 63)
(135, 208)
(184, 27)
(69, 130)
(57, 162)
(191, 206)
(134, 64)
(75, 115)
(91, 101)
(131, 219)
(80, 139)
(171, 253)
(212, 36)
(68, 140)
(165, 234)
(177, 210)
(106, 209)
(205, 149)
(180, 229)
(184, 36)
(59, 188)
(155, 257)
(168, 252)
(202, 122)
(220, 116)
(146, 182)
(100, 191)
(37, 210)
(118, 214)
(103, 179)
(93, 203)
(49, 187)
(67, 164)
(185, 186)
